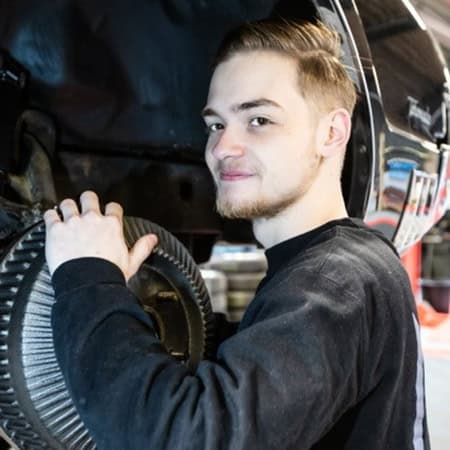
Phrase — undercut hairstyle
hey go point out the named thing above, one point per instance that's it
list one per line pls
(322, 77)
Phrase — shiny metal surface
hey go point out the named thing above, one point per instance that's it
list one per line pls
(436, 14)
(217, 285)
(36, 410)
(29, 369)
(408, 96)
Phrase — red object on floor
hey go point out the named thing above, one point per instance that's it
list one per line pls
(428, 317)
(412, 261)
(435, 326)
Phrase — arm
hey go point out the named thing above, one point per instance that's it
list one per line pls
(265, 390)
(270, 388)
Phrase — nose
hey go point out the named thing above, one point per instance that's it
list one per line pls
(226, 144)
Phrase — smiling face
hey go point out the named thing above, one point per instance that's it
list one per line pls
(261, 145)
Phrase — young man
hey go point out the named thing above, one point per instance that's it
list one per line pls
(327, 354)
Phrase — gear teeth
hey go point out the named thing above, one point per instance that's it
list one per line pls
(41, 372)
(174, 251)
(44, 382)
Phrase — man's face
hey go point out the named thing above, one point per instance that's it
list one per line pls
(261, 145)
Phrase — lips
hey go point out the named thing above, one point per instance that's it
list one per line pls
(234, 175)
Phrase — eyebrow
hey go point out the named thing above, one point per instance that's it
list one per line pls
(244, 106)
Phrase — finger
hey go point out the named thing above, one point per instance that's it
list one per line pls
(114, 209)
(89, 202)
(68, 208)
(51, 216)
(140, 252)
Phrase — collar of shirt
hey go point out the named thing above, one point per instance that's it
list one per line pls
(282, 253)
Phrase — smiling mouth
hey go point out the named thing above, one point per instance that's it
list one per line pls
(234, 175)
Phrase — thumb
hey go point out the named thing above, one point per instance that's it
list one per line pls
(141, 250)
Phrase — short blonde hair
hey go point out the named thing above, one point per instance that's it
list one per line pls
(323, 79)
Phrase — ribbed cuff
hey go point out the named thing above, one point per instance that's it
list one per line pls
(81, 272)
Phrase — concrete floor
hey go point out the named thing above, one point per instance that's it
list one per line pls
(436, 348)
(437, 385)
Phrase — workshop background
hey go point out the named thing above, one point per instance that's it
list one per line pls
(233, 272)
(433, 268)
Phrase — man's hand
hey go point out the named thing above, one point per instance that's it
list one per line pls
(92, 234)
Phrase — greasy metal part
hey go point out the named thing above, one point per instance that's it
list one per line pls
(13, 90)
(16, 218)
(35, 138)
(35, 184)
(183, 296)
(36, 411)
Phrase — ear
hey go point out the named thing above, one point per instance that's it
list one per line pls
(334, 132)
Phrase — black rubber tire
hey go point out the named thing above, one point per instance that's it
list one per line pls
(36, 411)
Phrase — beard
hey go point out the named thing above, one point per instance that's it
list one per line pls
(254, 209)
(264, 206)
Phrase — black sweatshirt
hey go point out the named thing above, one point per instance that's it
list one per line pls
(326, 356)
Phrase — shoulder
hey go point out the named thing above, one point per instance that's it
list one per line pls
(350, 251)
(361, 254)
(352, 263)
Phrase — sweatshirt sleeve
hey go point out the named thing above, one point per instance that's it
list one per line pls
(271, 387)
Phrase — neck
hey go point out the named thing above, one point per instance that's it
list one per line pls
(322, 203)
